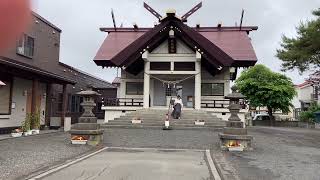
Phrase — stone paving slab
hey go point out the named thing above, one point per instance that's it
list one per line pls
(139, 164)
(158, 138)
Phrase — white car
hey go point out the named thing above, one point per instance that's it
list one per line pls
(261, 117)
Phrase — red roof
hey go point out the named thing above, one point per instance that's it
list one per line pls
(304, 84)
(116, 42)
(236, 44)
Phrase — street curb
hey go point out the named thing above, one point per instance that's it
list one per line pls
(66, 164)
(212, 166)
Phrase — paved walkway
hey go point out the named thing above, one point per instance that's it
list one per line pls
(138, 164)
(158, 138)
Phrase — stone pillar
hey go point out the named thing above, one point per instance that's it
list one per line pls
(197, 83)
(64, 104)
(146, 81)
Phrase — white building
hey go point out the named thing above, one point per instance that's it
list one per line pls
(306, 95)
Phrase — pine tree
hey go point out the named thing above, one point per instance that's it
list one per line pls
(303, 51)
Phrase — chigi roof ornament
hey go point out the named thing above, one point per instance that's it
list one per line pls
(172, 12)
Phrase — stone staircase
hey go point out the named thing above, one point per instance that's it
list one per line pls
(153, 118)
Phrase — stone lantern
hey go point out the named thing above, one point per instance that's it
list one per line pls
(87, 130)
(235, 136)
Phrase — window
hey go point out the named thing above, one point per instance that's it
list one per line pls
(134, 88)
(75, 103)
(160, 66)
(5, 98)
(26, 46)
(60, 102)
(316, 92)
(169, 91)
(184, 66)
(212, 89)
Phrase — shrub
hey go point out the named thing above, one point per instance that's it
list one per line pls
(309, 116)
(26, 123)
(36, 119)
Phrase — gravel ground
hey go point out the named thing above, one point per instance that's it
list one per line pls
(22, 156)
(154, 138)
(280, 153)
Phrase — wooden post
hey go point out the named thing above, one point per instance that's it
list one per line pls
(64, 104)
(48, 104)
(35, 92)
(34, 97)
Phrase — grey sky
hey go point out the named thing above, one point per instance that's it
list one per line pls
(80, 21)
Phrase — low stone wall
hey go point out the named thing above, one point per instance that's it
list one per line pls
(285, 124)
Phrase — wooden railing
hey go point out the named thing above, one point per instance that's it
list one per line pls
(135, 102)
(223, 103)
(138, 102)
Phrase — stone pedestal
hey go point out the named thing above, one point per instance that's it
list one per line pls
(235, 135)
(87, 129)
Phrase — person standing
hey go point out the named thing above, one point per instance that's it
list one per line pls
(177, 108)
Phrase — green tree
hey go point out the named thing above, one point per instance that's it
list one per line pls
(264, 88)
(303, 51)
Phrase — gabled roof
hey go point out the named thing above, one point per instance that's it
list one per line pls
(46, 21)
(220, 47)
(79, 75)
(23, 67)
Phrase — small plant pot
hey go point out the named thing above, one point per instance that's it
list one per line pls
(80, 142)
(27, 133)
(199, 123)
(136, 121)
(35, 131)
(18, 134)
(166, 124)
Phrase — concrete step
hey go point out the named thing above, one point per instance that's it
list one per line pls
(166, 111)
(155, 119)
(162, 119)
(164, 115)
(161, 123)
(217, 128)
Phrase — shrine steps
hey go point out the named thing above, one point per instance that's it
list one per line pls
(155, 119)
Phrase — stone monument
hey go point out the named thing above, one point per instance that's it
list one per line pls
(235, 136)
(87, 130)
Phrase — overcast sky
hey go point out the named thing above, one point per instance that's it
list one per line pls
(80, 21)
